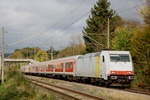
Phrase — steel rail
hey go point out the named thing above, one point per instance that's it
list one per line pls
(138, 91)
(45, 85)
(129, 90)
(48, 88)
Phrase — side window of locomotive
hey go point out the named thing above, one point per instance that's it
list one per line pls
(103, 58)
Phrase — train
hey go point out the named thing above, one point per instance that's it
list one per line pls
(104, 68)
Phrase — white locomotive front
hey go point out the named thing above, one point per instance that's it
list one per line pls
(117, 66)
(106, 67)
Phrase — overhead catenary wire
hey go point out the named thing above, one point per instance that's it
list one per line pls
(129, 9)
(122, 11)
(31, 37)
(58, 22)
(72, 23)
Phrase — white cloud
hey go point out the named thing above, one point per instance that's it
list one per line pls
(24, 20)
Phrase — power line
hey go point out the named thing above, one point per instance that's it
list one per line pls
(129, 9)
(76, 20)
(33, 36)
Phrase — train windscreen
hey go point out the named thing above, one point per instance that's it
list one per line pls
(119, 58)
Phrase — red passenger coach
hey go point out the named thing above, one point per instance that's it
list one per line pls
(66, 65)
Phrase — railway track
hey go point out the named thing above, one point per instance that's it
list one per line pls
(138, 91)
(73, 94)
(145, 92)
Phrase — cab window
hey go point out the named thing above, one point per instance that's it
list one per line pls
(119, 58)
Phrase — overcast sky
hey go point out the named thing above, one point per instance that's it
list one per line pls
(57, 23)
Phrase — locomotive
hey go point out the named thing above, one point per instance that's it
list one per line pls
(107, 67)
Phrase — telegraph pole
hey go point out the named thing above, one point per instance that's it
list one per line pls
(52, 54)
(108, 35)
(2, 54)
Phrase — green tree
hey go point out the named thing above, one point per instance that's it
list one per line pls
(27, 53)
(94, 33)
(145, 12)
(122, 40)
(41, 56)
(141, 50)
(17, 55)
(141, 54)
(72, 50)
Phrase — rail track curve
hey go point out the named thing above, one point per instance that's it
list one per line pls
(74, 94)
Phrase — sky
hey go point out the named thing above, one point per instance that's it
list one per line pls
(57, 23)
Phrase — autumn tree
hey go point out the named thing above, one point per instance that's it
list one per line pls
(122, 39)
(141, 54)
(94, 33)
(41, 56)
(141, 50)
(78, 50)
(145, 12)
(124, 34)
(27, 53)
(17, 55)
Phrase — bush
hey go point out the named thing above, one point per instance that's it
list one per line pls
(16, 87)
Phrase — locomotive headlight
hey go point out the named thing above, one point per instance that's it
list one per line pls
(112, 72)
(131, 77)
(129, 72)
(113, 77)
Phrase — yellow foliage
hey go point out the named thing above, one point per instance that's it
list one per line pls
(141, 55)
(72, 50)
(17, 55)
(41, 56)
(145, 12)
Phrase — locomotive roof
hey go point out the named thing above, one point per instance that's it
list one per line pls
(80, 56)
(70, 57)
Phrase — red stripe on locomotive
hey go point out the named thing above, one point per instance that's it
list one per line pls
(121, 73)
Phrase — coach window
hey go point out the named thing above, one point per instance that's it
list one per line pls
(58, 66)
(68, 65)
(36, 68)
(62, 65)
(103, 58)
(52, 66)
(49, 66)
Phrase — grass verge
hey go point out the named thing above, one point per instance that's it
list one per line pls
(16, 87)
